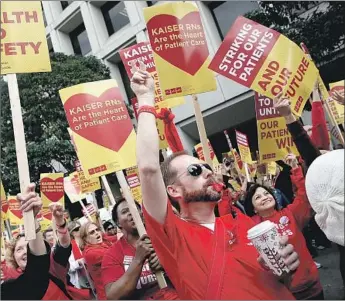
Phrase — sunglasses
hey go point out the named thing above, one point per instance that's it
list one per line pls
(110, 228)
(195, 170)
(94, 231)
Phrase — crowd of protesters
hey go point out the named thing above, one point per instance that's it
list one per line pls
(196, 226)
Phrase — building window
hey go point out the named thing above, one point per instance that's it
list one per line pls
(151, 3)
(226, 12)
(80, 41)
(115, 15)
(64, 4)
(126, 81)
(50, 46)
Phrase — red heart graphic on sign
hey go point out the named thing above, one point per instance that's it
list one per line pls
(200, 153)
(47, 214)
(71, 185)
(14, 206)
(100, 118)
(76, 184)
(4, 207)
(188, 58)
(53, 196)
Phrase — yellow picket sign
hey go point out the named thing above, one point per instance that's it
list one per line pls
(14, 213)
(267, 62)
(132, 177)
(235, 185)
(4, 203)
(142, 52)
(273, 136)
(238, 162)
(24, 46)
(179, 49)
(200, 153)
(73, 188)
(101, 128)
(336, 108)
(243, 147)
(52, 190)
(88, 185)
(272, 168)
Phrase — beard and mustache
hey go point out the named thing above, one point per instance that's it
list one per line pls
(205, 194)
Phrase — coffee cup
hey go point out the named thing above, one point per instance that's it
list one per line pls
(265, 238)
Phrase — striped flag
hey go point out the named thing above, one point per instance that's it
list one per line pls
(90, 209)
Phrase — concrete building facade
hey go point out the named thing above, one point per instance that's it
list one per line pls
(102, 28)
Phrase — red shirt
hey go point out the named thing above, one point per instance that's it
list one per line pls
(290, 221)
(93, 255)
(115, 263)
(319, 134)
(75, 250)
(185, 250)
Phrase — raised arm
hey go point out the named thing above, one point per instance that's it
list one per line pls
(152, 185)
(125, 283)
(30, 200)
(319, 132)
(61, 225)
(63, 248)
(300, 137)
(33, 283)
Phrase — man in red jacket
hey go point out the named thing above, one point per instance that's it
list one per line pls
(205, 257)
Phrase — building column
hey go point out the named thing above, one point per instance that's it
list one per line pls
(115, 74)
(187, 141)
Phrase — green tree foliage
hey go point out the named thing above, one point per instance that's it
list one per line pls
(44, 118)
(321, 28)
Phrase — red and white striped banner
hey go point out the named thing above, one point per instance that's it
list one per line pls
(90, 209)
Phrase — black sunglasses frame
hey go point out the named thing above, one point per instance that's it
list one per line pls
(195, 172)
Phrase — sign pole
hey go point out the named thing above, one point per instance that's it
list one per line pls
(22, 159)
(202, 130)
(86, 212)
(108, 190)
(228, 139)
(97, 209)
(247, 172)
(137, 219)
(8, 228)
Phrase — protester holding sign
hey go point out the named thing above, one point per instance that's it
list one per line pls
(31, 260)
(40, 277)
(300, 137)
(127, 268)
(186, 243)
(94, 247)
(262, 205)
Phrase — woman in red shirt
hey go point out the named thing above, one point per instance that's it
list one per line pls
(94, 246)
(261, 205)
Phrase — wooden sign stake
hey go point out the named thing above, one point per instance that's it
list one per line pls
(202, 130)
(247, 172)
(108, 190)
(22, 159)
(136, 217)
(87, 212)
(97, 209)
